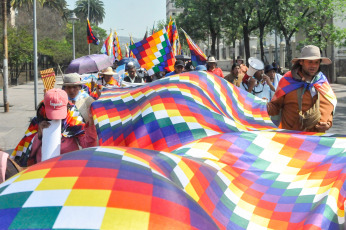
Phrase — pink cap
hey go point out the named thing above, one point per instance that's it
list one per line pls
(55, 101)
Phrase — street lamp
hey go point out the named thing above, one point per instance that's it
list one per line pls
(73, 18)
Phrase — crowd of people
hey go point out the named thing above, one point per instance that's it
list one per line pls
(300, 100)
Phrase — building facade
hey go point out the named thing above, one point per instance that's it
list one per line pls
(171, 10)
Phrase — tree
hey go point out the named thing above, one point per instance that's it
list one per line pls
(202, 18)
(58, 50)
(58, 5)
(19, 50)
(247, 19)
(81, 38)
(264, 12)
(96, 13)
(51, 23)
(291, 17)
(320, 30)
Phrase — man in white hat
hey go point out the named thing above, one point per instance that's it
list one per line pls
(255, 81)
(72, 85)
(212, 67)
(304, 96)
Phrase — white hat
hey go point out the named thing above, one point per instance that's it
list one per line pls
(211, 59)
(311, 52)
(108, 71)
(72, 79)
(254, 65)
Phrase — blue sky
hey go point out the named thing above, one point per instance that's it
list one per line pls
(134, 16)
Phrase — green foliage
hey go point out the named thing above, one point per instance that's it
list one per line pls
(20, 46)
(81, 38)
(202, 18)
(96, 14)
(320, 30)
(60, 51)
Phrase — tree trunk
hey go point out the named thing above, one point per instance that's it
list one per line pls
(218, 48)
(213, 42)
(246, 43)
(261, 29)
(288, 52)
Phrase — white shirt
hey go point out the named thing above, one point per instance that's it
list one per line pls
(261, 90)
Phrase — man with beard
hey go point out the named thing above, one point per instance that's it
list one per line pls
(304, 96)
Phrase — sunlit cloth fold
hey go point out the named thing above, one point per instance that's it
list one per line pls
(170, 112)
(239, 180)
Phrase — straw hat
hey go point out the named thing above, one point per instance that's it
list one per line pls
(254, 65)
(311, 52)
(108, 71)
(72, 79)
(211, 59)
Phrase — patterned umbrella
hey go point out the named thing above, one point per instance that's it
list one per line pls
(89, 64)
(125, 61)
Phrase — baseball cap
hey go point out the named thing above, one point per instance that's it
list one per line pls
(179, 63)
(55, 101)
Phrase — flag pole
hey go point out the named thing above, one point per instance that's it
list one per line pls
(88, 19)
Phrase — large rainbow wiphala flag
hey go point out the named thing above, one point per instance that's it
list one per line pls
(186, 152)
(155, 53)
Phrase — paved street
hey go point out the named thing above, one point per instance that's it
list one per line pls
(21, 98)
(339, 122)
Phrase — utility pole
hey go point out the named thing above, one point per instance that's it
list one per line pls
(89, 20)
(35, 54)
(5, 67)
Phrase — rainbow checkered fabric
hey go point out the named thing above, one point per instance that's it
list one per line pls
(190, 151)
(155, 53)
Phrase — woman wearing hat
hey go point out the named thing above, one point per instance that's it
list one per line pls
(75, 132)
(304, 97)
(212, 67)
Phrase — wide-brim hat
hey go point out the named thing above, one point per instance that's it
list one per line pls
(311, 52)
(211, 60)
(254, 66)
(72, 79)
(108, 71)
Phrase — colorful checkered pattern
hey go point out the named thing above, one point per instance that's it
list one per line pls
(243, 180)
(48, 78)
(155, 53)
(100, 188)
(176, 110)
(268, 180)
(173, 36)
